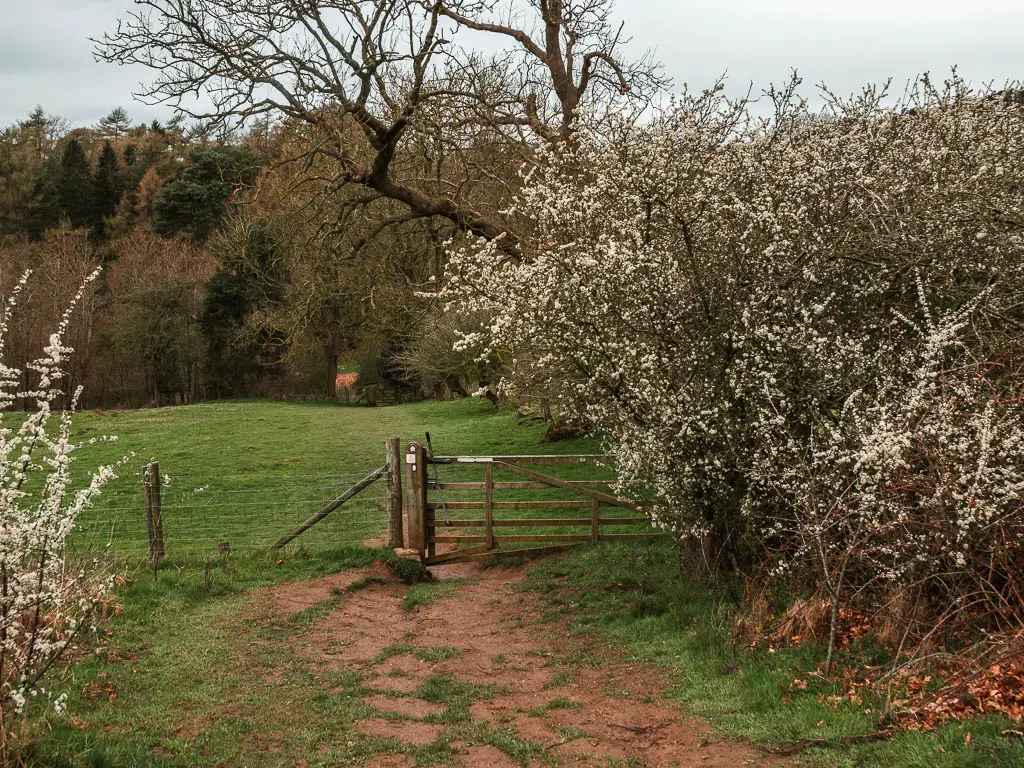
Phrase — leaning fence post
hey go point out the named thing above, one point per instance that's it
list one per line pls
(416, 476)
(396, 538)
(362, 485)
(154, 512)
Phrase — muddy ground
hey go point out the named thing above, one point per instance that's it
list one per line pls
(574, 699)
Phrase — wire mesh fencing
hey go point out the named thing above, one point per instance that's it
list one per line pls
(203, 514)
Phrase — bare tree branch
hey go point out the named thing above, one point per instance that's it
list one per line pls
(389, 69)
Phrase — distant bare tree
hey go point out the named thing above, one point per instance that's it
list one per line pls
(368, 74)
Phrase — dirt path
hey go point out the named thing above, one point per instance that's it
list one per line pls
(481, 668)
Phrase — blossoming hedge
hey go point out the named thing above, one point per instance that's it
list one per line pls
(800, 332)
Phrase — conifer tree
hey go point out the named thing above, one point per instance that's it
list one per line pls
(108, 186)
(44, 208)
(195, 203)
(75, 185)
(114, 125)
(40, 130)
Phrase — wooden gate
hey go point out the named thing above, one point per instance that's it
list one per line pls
(447, 495)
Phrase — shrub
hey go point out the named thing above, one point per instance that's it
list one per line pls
(46, 597)
(800, 332)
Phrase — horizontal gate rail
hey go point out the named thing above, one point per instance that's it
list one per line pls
(580, 538)
(604, 498)
(595, 458)
(509, 505)
(514, 486)
(442, 520)
(528, 522)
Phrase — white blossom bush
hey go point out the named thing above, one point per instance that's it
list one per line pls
(800, 333)
(47, 598)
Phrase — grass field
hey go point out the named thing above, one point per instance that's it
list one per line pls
(247, 472)
(167, 686)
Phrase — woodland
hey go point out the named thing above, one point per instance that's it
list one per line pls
(218, 280)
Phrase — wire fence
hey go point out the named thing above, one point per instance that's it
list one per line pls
(204, 514)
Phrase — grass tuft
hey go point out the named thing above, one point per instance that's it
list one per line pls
(562, 702)
(433, 655)
(456, 695)
(423, 594)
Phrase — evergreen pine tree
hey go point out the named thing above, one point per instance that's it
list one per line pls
(44, 209)
(75, 185)
(39, 128)
(195, 203)
(114, 125)
(108, 186)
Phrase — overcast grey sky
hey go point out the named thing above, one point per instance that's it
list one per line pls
(45, 54)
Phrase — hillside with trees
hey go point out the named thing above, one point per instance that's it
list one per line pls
(225, 273)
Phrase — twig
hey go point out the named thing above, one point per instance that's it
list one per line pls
(640, 730)
(560, 743)
(846, 741)
(914, 661)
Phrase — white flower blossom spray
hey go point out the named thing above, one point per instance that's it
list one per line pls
(47, 598)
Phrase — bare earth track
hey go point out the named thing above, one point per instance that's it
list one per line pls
(576, 701)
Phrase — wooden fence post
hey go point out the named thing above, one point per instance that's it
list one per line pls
(396, 537)
(154, 512)
(489, 504)
(416, 475)
(595, 520)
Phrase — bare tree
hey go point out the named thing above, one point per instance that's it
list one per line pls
(367, 74)
(565, 63)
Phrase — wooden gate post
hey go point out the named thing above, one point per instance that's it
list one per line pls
(396, 537)
(416, 476)
(154, 513)
(489, 504)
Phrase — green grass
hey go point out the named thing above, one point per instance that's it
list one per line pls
(433, 655)
(305, 619)
(421, 595)
(634, 595)
(504, 739)
(561, 702)
(456, 695)
(246, 472)
(201, 681)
